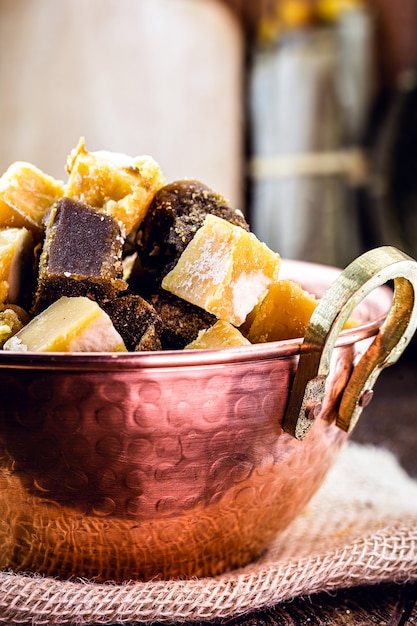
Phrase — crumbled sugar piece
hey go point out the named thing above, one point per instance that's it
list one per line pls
(221, 335)
(117, 184)
(15, 344)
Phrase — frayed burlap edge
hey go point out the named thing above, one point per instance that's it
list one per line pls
(348, 536)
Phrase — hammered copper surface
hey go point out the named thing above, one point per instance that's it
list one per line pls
(146, 466)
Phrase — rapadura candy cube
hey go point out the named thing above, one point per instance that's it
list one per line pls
(26, 195)
(68, 325)
(81, 255)
(224, 270)
(284, 313)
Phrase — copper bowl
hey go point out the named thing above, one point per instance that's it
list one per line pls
(177, 464)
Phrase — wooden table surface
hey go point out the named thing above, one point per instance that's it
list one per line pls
(379, 605)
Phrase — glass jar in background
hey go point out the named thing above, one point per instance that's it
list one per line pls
(310, 95)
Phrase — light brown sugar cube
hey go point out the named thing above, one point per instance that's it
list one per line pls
(224, 270)
(119, 185)
(284, 313)
(16, 260)
(221, 335)
(26, 194)
(68, 325)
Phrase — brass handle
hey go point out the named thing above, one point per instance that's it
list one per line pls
(369, 271)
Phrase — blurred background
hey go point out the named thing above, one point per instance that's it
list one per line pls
(303, 113)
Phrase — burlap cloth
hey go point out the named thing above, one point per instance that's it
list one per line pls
(360, 528)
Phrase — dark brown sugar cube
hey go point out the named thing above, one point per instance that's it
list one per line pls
(81, 255)
(182, 319)
(137, 322)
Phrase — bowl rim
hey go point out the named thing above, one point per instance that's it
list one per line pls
(173, 358)
(99, 361)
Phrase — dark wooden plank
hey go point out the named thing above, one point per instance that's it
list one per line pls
(371, 606)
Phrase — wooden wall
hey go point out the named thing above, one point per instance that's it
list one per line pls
(159, 77)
